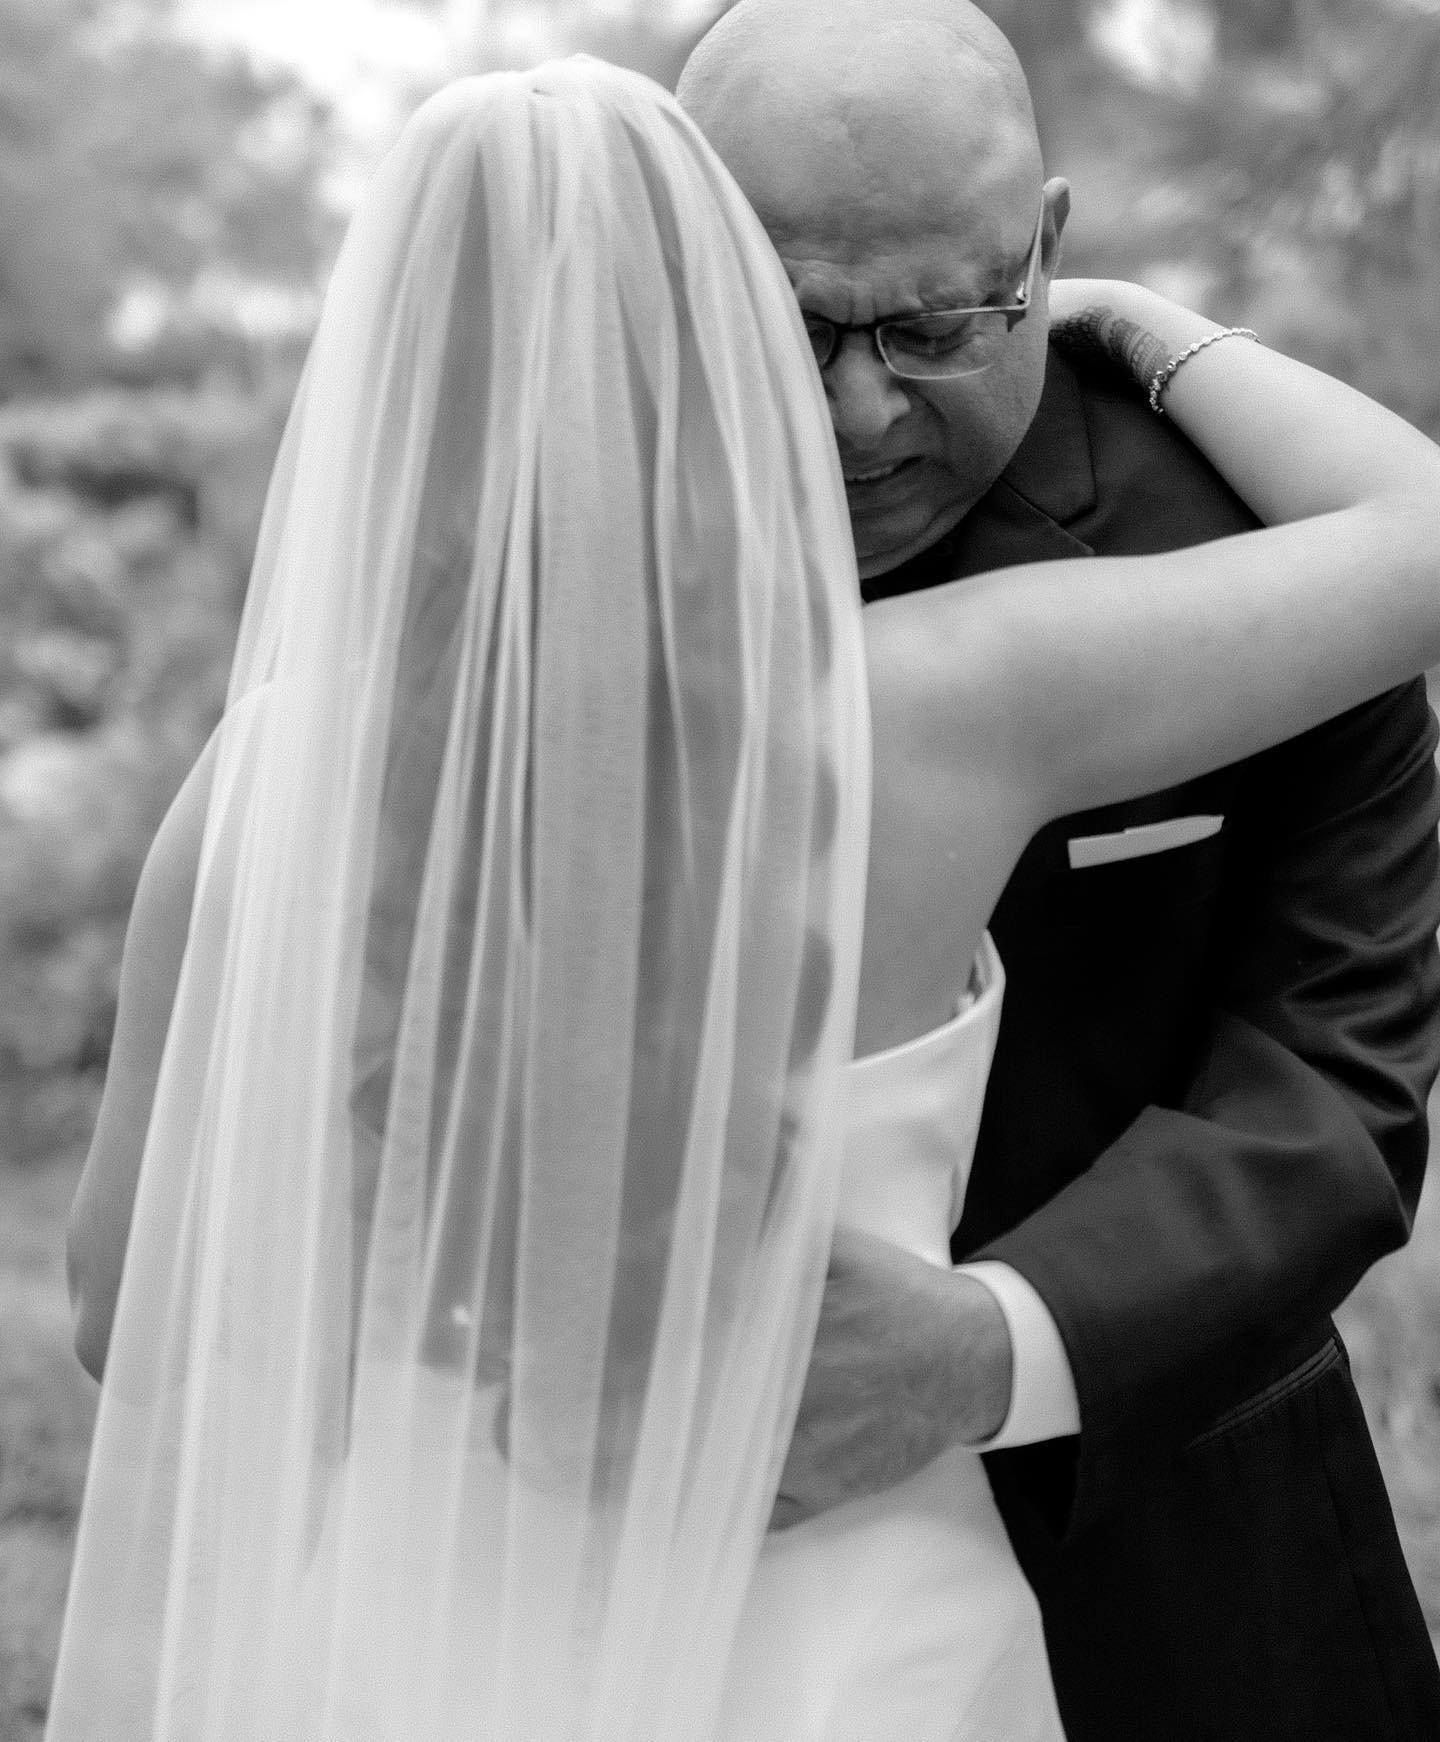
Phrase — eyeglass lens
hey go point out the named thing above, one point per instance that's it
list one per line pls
(928, 345)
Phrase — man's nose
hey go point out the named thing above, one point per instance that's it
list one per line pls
(865, 398)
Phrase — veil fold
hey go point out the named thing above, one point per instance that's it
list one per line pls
(491, 1174)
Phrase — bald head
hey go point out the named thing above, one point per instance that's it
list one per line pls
(889, 148)
(839, 97)
(757, 37)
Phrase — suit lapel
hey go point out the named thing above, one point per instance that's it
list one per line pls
(1029, 513)
(1023, 518)
(1007, 528)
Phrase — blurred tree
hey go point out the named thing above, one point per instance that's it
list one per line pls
(1328, 222)
(138, 172)
(652, 36)
(1290, 174)
(127, 519)
(163, 223)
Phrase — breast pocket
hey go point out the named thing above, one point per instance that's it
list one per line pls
(1117, 962)
(1151, 869)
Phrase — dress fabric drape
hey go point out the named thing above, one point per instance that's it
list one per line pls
(492, 1169)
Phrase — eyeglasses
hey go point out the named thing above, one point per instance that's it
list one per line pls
(943, 344)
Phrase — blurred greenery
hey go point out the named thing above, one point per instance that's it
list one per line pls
(166, 219)
(165, 227)
(1277, 161)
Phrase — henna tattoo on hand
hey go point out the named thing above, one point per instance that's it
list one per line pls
(1099, 331)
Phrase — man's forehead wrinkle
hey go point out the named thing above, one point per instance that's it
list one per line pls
(892, 189)
(875, 281)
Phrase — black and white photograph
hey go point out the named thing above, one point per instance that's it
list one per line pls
(719, 870)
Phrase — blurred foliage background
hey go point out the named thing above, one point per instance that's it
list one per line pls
(169, 201)
(168, 208)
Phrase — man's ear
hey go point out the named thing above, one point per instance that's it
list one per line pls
(1057, 210)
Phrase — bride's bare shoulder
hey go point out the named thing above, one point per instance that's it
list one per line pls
(160, 913)
(155, 940)
(167, 880)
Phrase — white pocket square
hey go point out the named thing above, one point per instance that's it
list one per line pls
(1086, 850)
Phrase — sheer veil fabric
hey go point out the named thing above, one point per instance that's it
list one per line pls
(492, 1171)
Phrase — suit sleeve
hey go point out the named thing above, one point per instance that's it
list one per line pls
(1203, 1245)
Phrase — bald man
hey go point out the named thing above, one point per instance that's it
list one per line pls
(1206, 1117)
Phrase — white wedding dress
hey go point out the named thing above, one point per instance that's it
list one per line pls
(899, 1618)
(904, 1615)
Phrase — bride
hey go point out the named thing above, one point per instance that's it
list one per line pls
(474, 1130)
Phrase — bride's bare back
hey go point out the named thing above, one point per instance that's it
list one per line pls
(946, 829)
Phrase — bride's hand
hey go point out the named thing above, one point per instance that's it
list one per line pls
(1107, 317)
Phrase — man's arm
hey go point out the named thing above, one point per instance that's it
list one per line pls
(1195, 1251)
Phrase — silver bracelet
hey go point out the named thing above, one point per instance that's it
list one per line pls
(1160, 380)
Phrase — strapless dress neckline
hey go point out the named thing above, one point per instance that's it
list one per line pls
(912, 1116)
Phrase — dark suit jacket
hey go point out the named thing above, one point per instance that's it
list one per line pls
(1205, 1122)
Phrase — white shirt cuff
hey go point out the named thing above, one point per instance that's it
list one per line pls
(1043, 1404)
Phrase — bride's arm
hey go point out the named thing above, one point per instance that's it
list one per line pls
(1116, 675)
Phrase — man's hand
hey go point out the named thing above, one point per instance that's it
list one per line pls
(909, 1360)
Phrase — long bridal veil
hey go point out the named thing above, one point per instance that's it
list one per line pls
(491, 1174)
